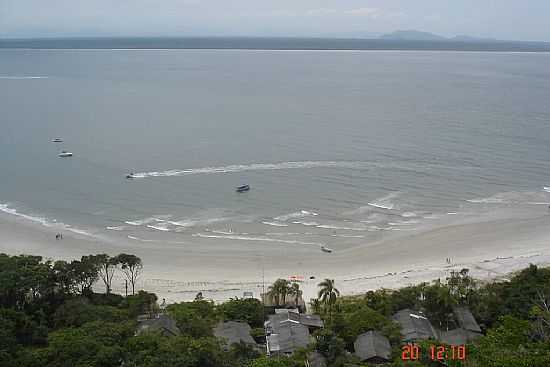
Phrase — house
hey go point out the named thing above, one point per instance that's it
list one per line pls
(466, 320)
(234, 332)
(288, 329)
(313, 322)
(285, 338)
(372, 347)
(467, 331)
(161, 323)
(414, 326)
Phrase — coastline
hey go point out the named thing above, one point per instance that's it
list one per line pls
(490, 246)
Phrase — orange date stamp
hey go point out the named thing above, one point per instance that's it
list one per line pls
(413, 352)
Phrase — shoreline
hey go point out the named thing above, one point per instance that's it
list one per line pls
(491, 247)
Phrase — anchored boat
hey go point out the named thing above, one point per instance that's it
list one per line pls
(243, 188)
(65, 154)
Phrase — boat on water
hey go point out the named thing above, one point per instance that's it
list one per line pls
(326, 249)
(130, 176)
(57, 140)
(65, 154)
(243, 188)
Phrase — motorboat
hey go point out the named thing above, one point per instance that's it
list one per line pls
(65, 154)
(243, 188)
(130, 176)
(57, 140)
(326, 249)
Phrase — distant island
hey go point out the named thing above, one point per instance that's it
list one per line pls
(414, 35)
(399, 40)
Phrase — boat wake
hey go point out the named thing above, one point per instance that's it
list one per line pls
(258, 167)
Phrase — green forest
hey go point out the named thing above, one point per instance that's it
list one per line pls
(51, 316)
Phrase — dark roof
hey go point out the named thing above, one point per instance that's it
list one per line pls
(293, 316)
(458, 336)
(286, 337)
(372, 344)
(162, 323)
(234, 332)
(311, 320)
(466, 320)
(414, 325)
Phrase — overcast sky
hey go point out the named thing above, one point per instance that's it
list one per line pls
(503, 19)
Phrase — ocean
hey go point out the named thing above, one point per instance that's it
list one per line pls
(339, 147)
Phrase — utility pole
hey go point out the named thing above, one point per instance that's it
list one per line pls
(126, 286)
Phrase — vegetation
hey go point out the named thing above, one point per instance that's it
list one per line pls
(49, 316)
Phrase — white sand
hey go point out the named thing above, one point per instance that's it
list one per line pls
(490, 246)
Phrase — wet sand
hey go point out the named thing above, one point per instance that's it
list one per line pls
(491, 246)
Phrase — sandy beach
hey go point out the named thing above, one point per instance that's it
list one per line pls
(490, 245)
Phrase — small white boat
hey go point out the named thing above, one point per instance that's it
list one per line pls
(65, 154)
(57, 140)
(326, 249)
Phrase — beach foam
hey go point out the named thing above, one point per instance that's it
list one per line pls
(260, 239)
(43, 221)
(22, 77)
(296, 215)
(275, 224)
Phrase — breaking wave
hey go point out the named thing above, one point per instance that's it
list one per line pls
(22, 77)
(275, 224)
(385, 202)
(296, 215)
(266, 239)
(43, 221)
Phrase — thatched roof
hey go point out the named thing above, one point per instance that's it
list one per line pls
(371, 345)
(466, 320)
(414, 325)
(287, 337)
(234, 332)
(161, 323)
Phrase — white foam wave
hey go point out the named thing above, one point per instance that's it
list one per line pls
(328, 226)
(408, 215)
(547, 189)
(266, 239)
(307, 224)
(22, 77)
(403, 223)
(275, 224)
(141, 222)
(257, 167)
(223, 232)
(347, 236)
(491, 200)
(384, 202)
(115, 228)
(187, 223)
(296, 215)
(159, 227)
(43, 221)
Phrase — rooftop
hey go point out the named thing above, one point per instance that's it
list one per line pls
(371, 345)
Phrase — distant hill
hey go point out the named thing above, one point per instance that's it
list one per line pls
(412, 35)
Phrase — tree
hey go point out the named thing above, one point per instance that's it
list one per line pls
(250, 310)
(196, 319)
(107, 266)
(85, 272)
(328, 294)
(279, 291)
(131, 266)
(296, 292)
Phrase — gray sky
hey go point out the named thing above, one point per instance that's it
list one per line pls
(503, 19)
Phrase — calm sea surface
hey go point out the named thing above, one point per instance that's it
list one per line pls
(337, 146)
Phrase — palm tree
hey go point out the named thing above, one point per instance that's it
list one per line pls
(279, 290)
(296, 292)
(328, 294)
